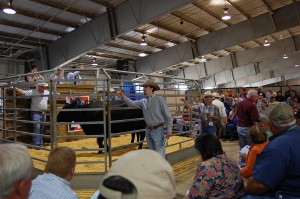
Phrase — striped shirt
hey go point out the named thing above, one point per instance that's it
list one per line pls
(155, 110)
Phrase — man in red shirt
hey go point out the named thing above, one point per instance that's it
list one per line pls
(247, 114)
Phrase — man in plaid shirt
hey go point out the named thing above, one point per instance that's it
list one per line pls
(209, 113)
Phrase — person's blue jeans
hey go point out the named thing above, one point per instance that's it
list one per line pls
(155, 140)
(243, 136)
(208, 129)
(230, 128)
(277, 195)
(38, 128)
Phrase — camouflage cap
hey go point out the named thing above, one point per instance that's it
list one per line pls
(281, 115)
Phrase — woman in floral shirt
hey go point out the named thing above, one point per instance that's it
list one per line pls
(217, 176)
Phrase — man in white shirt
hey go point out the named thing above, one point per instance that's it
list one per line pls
(57, 75)
(39, 103)
(270, 94)
(74, 75)
(221, 129)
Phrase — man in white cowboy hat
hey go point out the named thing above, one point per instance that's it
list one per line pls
(221, 127)
(156, 115)
(39, 102)
(276, 173)
(209, 113)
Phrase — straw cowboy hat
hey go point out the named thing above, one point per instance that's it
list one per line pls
(44, 84)
(207, 94)
(151, 83)
(216, 95)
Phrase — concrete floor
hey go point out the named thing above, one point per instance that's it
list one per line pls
(186, 170)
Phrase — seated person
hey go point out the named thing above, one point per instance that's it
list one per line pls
(263, 110)
(231, 126)
(57, 75)
(74, 75)
(138, 174)
(217, 176)
(259, 141)
(277, 170)
(34, 77)
(59, 170)
(15, 171)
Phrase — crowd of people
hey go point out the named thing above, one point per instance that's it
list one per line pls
(57, 75)
(40, 96)
(271, 166)
(266, 127)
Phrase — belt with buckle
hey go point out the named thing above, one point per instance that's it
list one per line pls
(155, 126)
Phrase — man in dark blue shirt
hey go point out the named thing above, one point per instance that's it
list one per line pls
(277, 170)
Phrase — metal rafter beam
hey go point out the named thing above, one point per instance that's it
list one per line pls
(14, 41)
(134, 40)
(270, 10)
(243, 46)
(291, 34)
(126, 48)
(155, 35)
(238, 8)
(102, 3)
(273, 37)
(97, 32)
(257, 42)
(30, 27)
(189, 35)
(44, 17)
(211, 13)
(4, 53)
(192, 21)
(64, 7)
(25, 38)
(111, 54)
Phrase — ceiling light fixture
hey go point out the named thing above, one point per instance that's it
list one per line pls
(9, 9)
(267, 43)
(142, 55)
(226, 16)
(203, 59)
(181, 21)
(281, 37)
(94, 63)
(285, 56)
(297, 65)
(143, 42)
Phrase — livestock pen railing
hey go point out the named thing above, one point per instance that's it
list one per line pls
(16, 125)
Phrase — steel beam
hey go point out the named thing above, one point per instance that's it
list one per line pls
(256, 27)
(127, 16)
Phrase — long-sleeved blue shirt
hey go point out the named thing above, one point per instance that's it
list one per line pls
(155, 110)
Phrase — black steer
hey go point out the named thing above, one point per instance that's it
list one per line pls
(91, 116)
